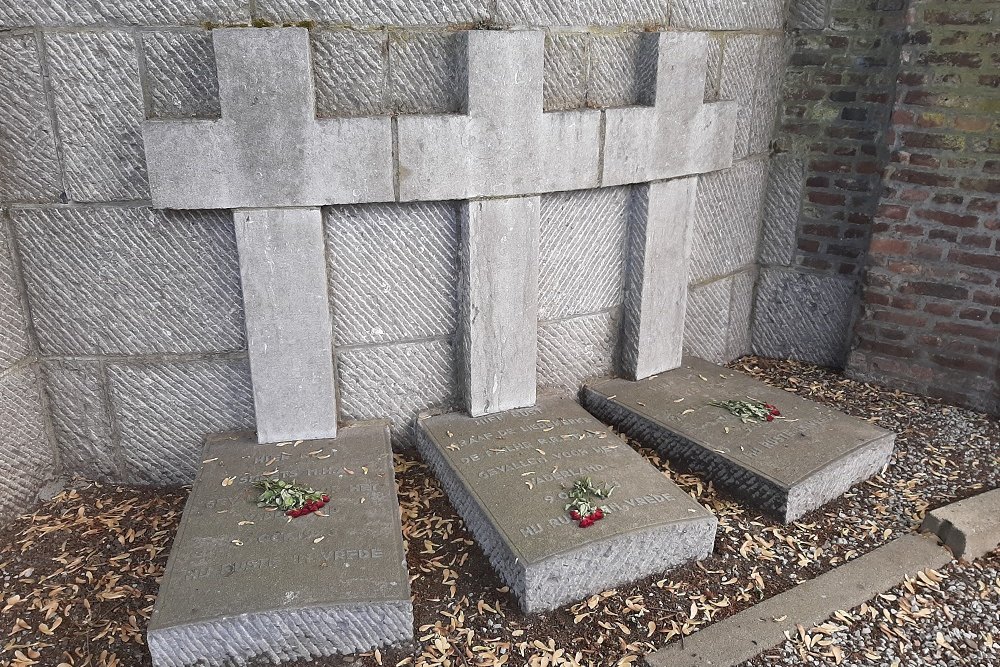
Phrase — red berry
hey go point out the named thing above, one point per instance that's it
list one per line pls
(598, 514)
(326, 498)
(574, 515)
(770, 418)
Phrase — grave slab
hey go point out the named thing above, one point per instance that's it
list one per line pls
(507, 475)
(788, 467)
(244, 585)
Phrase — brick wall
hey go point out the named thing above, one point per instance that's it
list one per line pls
(137, 314)
(829, 150)
(931, 320)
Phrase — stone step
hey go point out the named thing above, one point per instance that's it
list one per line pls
(507, 476)
(788, 467)
(245, 584)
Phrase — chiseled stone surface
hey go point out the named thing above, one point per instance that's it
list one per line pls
(782, 203)
(680, 134)
(268, 149)
(577, 348)
(970, 527)
(658, 247)
(726, 14)
(180, 74)
(498, 303)
(289, 327)
(278, 588)
(506, 473)
(13, 323)
(17, 13)
(788, 467)
(27, 462)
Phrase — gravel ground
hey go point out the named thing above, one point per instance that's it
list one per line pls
(79, 574)
(950, 617)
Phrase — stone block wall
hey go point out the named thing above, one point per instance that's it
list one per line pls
(824, 183)
(931, 320)
(137, 313)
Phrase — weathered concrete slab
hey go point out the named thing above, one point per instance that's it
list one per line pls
(498, 303)
(766, 625)
(289, 328)
(504, 474)
(788, 467)
(970, 527)
(246, 584)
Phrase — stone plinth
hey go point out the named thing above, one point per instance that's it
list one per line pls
(245, 584)
(507, 475)
(787, 467)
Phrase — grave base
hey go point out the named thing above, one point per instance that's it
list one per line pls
(244, 585)
(507, 473)
(788, 467)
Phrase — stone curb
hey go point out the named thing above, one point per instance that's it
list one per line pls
(970, 527)
(754, 630)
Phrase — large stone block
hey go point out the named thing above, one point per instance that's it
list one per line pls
(247, 586)
(726, 14)
(740, 314)
(782, 203)
(713, 71)
(165, 410)
(81, 419)
(397, 382)
(99, 110)
(706, 321)
(29, 167)
(581, 250)
(508, 476)
(741, 70)
(124, 281)
(26, 459)
(788, 466)
(727, 219)
(620, 68)
(180, 74)
(566, 70)
(582, 13)
(766, 95)
(803, 316)
(361, 13)
(498, 303)
(575, 349)
(658, 247)
(427, 72)
(273, 152)
(679, 134)
(289, 327)
(14, 341)
(503, 144)
(808, 14)
(56, 13)
(351, 70)
(393, 271)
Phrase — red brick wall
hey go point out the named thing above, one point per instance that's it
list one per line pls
(931, 300)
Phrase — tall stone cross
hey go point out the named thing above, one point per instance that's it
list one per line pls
(274, 163)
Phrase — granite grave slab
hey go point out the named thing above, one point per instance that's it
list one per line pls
(788, 467)
(507, 474)
(244, 585)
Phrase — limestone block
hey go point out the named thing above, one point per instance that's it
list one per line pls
(26, 459)
(767, 94)
(29, 168)
(98, 103)
(782, 203)
(14, 342)
(713, 72)
(808, 14)
(180, 74)
(706, 321)
(738, 337)
(367, 13)
(393, 271)
(726, 14)
(658, 247)
(679, 134)
(427, 72)
(271, 152)
(581, 250)
(502, 145)
(123, 281)
(727, 219)
(970, 527)
(577, 348)
(498, 303)
(565, 71)
(621, 69)
(582, 12)
(803, 316)
(741, 69)
(81, 418)
(289, 328)
(351, 72)
(165, 410)
(397, 382)
(17, 13)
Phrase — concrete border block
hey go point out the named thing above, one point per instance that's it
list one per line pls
(970, 527)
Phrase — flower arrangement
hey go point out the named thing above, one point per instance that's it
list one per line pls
(583, 507)
(749, 412)
(293, 499)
